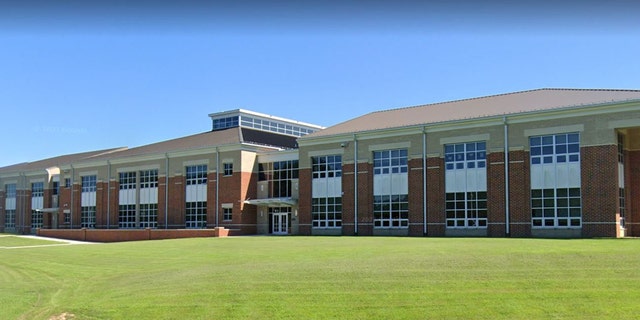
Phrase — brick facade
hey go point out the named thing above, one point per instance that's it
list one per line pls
(2, 208)
(519, 194)
(599, 191)
(632, 181)
(435, 197)
(496, 195)
(416, 198)
(304, 202)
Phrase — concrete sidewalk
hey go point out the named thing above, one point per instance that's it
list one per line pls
(56, 239)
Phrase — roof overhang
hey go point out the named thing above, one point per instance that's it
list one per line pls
(273, 202)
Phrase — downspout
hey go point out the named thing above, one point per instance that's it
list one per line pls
(424, 181)
(355, 183)
(506, 176)
(23, 202)
(217, 183)
(108, 194)
(73, 174)
(166, 191)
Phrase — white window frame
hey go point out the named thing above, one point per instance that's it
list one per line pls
(555, 206)
(390, 210)
(467, 206)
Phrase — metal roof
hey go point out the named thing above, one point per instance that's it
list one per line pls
(495, 105)
(58, 161)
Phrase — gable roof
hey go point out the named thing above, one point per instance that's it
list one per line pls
(195, 141)
(203, 140)
(495, 105)
(209, 139)
(58, 161)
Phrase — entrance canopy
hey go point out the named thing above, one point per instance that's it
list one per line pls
(273, 202)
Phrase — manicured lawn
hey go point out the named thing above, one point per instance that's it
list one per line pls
(325, 277)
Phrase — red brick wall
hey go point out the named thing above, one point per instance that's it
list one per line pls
(114, 206)
(347, 200)
(102, 190)
(248, 213)
(97, 235)
(599, 190)
(176, 202)
(162, 192)
(2, 208)
(228, 186)
(234, 189)
(416, 200)
(26, 198)
(304, 203)
(519, 194)
(495, 194)
(435, 197)
(365, 199)
(632, 182)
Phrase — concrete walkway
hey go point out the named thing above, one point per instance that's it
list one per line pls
(62, 241)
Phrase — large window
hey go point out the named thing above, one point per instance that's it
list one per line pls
(390, 161)
(10, 206)
(127, 216)
(149, 178)
(391, 211)
(149, 215)
(273, 126)
(466, 188)
(224, 123)
(555, 181)
(36, 219)
(10, 190)
(88, 217)
(89, 183)
(37, 189)
(326, 166)
(10, 219)
(559, 148)
(196, 174)
(326, 212)
(390, 199)
(37, 194)
(196, 214)
(127, 180)
(326, 203)
(556, 207)
(279, 175)
(466, 209)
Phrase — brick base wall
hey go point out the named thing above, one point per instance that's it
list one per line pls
(95, 235)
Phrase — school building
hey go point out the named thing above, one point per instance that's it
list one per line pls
(537, 163)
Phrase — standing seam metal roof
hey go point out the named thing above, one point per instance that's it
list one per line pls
(501, 104)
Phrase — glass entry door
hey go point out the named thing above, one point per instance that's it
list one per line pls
(279, 220)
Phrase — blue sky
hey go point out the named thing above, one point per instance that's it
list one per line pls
(77, 76)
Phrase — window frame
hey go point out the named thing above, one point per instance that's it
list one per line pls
(227, 169)
(555, 207)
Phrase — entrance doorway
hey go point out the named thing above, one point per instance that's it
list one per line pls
(279, 220)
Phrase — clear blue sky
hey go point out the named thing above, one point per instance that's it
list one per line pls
(77, 75)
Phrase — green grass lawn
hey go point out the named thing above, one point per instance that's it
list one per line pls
(325, 277)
